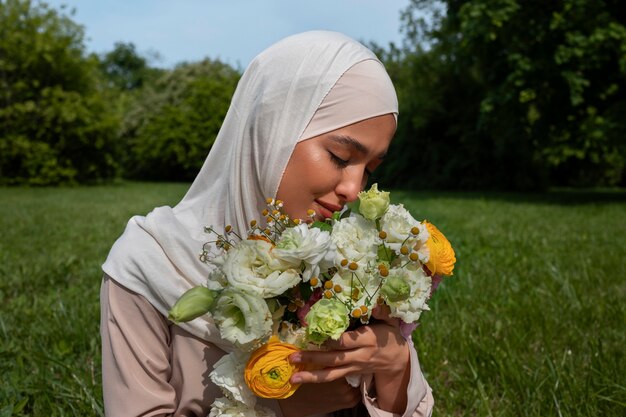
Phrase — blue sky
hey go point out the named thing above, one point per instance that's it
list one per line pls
(231, 30)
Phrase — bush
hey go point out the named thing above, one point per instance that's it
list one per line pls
(55, 126)
(173, 123)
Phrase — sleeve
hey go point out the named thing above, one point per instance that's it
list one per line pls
(135, 355)
(152, 368)
(419, 395)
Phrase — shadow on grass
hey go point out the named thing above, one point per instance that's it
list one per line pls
(564, 197)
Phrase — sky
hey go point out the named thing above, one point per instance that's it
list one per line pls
(233, 31)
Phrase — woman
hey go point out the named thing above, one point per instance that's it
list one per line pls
(312, 116)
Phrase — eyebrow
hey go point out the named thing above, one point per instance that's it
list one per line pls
(353, 143)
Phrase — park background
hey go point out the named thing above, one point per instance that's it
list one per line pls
(511, 139)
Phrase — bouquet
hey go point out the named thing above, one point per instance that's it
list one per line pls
(294, 284)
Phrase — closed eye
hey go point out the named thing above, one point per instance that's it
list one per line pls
(340, 163)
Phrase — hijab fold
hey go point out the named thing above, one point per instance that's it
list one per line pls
(276, 99)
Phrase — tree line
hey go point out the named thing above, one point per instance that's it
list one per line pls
(504, 94)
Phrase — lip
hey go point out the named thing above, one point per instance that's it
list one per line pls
(327, 209)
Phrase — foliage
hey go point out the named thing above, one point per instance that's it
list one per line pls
(55, 126)
(173, 122)
(126, 69)
(511, 93)
(525, 326)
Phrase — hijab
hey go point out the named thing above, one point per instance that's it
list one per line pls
(292, 91)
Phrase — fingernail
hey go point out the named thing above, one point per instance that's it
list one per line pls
(296, 379)
(295, 358)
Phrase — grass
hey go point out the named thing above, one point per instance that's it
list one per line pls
(531, 324)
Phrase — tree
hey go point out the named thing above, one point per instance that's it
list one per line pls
(173, 122)
(125, 69)
(55, 126)
(513, 93)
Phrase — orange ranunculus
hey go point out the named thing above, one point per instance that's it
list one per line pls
(268, 370)
(442, 259)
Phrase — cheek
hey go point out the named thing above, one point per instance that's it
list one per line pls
(307, 177)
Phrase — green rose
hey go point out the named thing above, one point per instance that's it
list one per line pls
(193, 303)
(395, 288)
(373, 203)
(327, 318)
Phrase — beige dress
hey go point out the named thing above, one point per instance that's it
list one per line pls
(151, 367)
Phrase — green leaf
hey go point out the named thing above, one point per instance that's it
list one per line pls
(323, 226)
(385, 254)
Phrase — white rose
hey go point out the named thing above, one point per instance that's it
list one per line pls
(410, 309)
(397, 222)
(228, 375)
(301, 245)
(250, 267)
(356, 240)
(224, 407)
(243, 319)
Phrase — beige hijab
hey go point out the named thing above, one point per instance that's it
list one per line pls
(284, 96)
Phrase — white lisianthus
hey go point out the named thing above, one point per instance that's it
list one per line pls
(216, 278)
(356, 240)
(410, 308)
(228, 375)
(243, 319)
(303, 245)
(397, 222)
(250, 267)
(225, 407)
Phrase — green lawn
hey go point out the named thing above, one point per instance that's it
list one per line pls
(532, 323)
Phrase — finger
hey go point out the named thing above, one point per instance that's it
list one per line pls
(322, 359)
(322, 375)
(374, 335)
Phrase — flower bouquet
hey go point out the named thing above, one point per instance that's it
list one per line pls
(293, 284)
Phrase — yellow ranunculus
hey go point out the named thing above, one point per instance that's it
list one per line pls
(442, 259)
(268, 370)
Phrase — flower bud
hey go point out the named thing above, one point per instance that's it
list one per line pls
(396, 289)
(193, 303)
(373, 203)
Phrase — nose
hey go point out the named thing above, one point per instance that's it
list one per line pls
(351, 183)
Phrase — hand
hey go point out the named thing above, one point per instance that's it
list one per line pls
(320, 398)
(377, 348)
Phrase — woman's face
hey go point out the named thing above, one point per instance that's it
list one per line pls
(328, 171)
